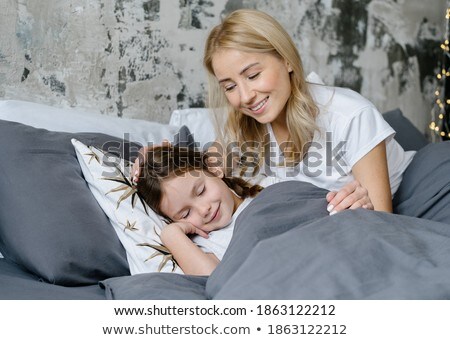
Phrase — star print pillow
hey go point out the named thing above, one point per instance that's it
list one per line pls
(136, 225)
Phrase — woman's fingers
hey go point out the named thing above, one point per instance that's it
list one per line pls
(214, 161)
(331, 195)
(139, 161)
(337, 202)
(351, 196)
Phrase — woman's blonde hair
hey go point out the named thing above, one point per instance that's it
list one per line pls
(253, 31)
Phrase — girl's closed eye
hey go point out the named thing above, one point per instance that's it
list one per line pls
(185, 214)
(202, 191)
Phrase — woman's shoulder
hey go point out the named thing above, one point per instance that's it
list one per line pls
(339, 106)
(344, 102)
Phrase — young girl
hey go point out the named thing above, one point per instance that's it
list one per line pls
(175, 183)
(327, 136)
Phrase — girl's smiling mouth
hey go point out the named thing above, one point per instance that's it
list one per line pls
(216, 215)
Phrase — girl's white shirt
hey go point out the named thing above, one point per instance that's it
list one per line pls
(218, 240)
(349, 127)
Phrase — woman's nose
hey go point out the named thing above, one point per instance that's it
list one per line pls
(247, 94)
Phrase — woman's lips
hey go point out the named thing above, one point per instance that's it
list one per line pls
(260, 106)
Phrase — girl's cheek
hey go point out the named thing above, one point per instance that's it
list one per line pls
(194, 222)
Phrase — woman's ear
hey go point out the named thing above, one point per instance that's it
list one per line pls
(288, 66)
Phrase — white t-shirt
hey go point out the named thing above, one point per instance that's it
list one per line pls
(350, 126)
(218, 240)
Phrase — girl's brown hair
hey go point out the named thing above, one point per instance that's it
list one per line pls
(167, 161)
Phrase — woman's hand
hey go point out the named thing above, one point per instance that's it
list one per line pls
(351, 196)
(140, 159)
(214, 160)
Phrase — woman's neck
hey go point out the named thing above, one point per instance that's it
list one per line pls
(280, 130)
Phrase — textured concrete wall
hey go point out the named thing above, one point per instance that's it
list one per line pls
(143, 58)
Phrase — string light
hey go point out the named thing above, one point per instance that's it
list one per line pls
(441, 114)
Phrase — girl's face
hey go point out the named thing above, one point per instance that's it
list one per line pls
(257, 84)
(199, 198)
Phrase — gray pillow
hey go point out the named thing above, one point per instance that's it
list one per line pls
(50, 223)
(407, 135)
(425, 188)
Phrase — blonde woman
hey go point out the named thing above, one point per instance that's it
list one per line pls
(331, 137)
(292, 129)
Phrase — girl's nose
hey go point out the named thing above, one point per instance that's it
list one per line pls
(205, 209)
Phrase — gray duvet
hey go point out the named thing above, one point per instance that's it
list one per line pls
(285, 246)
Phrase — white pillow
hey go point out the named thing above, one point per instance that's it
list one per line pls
(136, 225)
(74, 120)
(199, 123)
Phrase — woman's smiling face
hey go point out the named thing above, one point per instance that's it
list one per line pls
(257, 84)
(199, 198)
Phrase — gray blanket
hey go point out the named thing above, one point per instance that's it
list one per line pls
(285, 246)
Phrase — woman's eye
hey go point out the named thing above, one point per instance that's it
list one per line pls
(254, 76)
(202, 191)
(229, 88)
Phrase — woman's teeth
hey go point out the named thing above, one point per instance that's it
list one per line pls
(260, 105)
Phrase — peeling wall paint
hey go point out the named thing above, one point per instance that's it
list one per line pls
(142, 59)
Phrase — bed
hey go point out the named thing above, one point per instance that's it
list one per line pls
(64, 235)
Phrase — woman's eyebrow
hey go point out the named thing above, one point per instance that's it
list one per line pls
(240, 73)
(247, 67)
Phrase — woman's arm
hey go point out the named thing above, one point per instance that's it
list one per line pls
(371, 189)
(191, 259)
(372, 172)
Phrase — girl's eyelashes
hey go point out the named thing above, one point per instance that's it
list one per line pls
(186, 214)
(202, 190)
